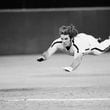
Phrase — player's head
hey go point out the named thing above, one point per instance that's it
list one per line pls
(67, 33)
(68, 30)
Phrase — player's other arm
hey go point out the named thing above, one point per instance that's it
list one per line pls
(76, 62)
(51, 50)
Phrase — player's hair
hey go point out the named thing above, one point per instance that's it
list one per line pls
(71, 30)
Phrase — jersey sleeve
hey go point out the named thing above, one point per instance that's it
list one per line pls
(53, 48)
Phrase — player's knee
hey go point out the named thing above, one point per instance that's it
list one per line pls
(97, 52)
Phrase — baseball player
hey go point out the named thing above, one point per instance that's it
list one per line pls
(75, 44)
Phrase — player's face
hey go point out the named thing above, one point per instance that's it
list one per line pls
(65, 40)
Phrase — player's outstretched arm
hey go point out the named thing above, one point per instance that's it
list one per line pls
(51, 50)
(75, 64)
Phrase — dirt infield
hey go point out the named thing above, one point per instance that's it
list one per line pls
(66, 98)
(26, 84)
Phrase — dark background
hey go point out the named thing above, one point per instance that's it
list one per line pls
(15, 4)
(28, 31)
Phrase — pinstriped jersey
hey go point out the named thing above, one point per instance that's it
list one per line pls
(82, 43)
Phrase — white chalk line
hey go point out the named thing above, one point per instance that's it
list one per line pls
(57, 100)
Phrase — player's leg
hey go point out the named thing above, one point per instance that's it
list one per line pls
(101, 47)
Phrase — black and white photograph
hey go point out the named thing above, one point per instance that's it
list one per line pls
(54, 55)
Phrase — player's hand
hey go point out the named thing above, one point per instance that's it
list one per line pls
(41, 59)
(68, 69)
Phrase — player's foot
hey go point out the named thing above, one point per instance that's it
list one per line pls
(109, 36)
